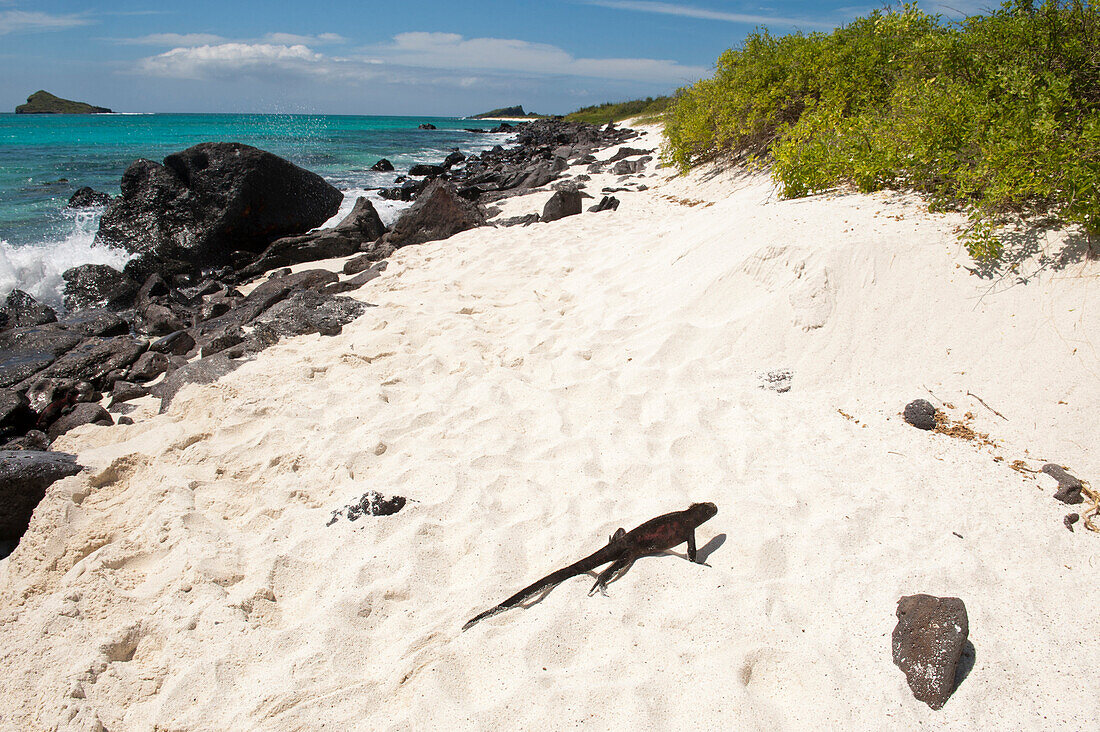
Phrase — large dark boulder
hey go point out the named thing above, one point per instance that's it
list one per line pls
(24, 478)
(439, 212)
(928, 642)
(382, 166)
(97, 285)
(22, 311)
(358, 228)
(564, 202)
(209, 201)
(89, 198)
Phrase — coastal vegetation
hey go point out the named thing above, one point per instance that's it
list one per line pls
(507, 113)
(42, 102)
(998, 114)
(600, 114)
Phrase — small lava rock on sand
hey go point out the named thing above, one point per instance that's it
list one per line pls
(921, 414)
(1069, 487)
(1070, 520)
(928, 642)
(372, 503)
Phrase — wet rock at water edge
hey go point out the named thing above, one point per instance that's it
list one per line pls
(97, 285)
(88, 198)
(209, 201)
(23, 311)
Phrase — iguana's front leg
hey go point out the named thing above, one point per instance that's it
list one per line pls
(691, 546)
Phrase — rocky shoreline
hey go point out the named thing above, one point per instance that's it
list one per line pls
(203, 224)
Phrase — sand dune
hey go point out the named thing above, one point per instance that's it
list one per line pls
(532, 389)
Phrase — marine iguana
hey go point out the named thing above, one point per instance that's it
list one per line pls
(655, 535)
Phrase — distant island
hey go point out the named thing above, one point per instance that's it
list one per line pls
(506, 112)
(42, 102)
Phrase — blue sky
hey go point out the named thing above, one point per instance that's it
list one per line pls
(445, 57)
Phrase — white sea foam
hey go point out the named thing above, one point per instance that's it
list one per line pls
(388, 211)
(36, 268)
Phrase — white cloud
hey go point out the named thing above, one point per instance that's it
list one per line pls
(211, 61)
(453, 51)
(690, 11)
(410, 58)
(25, 21)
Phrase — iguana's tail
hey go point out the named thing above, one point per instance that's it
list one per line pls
(603, 556)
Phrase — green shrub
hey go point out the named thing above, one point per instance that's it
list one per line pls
(997, 114)
(617, 111)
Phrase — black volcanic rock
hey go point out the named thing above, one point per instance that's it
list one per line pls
(96, 322)
(921, 414)
(607, 203)
(308, 311)
(430, 171)
(94, 358)
(382, 166)
(927, 644)
(81, 414)
(24, 478)
(26, 351)
(564, 202)
(209, 201)
(88, 198)
(16, 416)
(358, 228)
(439, 212)
(97, 285)
(21, 311)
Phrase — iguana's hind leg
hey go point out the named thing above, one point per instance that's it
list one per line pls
(617, 568)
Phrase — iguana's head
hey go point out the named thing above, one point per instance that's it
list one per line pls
(701, 512)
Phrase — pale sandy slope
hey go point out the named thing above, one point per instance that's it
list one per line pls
(531, 390)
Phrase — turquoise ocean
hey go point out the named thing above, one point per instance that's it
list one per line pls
(45, 158)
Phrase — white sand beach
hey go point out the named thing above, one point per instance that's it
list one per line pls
(530, 390)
